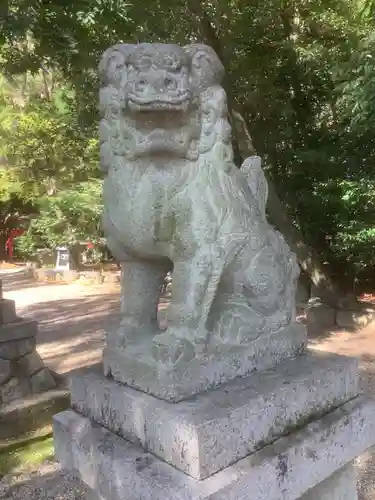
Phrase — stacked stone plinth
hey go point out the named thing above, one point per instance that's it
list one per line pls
(286, 433)
(22, 371)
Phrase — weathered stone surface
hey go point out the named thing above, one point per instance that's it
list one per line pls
(7, 311)
(31, 412)
(42, 381)
(234, 276)
(342, 485)
(217, 428)
(136, 367)
(31, 363)
(15, 388)
(15, 349)
(117, 469)
(354, 319)
(5, 370)
(19, 330)
(319, 314)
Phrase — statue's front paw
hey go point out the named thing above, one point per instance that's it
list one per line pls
(168, 348)
(131, 331)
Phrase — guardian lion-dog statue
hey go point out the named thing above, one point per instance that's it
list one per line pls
(174, 200)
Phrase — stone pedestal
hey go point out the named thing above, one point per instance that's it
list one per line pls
(137, 367)
(22, 371)
(289, 432)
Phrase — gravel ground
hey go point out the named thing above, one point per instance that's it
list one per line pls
(47, 483)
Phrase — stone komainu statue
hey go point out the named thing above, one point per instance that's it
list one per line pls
(174, 200)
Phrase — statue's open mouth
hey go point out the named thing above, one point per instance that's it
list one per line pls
(137, 103)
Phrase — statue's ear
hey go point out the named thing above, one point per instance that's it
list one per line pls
(113, 62)
(206, 67)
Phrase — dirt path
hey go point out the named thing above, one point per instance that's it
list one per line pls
(72, 320)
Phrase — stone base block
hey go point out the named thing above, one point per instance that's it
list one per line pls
(31, 363)
(213, 430)
(340, 486)
(33, 412)
(288, 468)
(14, 388)
(13, 350)
(21, 329)
(136, 367)
(7, 311)
(320, 315)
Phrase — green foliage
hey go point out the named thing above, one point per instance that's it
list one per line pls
(67, 218)
(45, 149)
(356, 85)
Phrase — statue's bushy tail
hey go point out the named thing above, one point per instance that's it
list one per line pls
(252, 170)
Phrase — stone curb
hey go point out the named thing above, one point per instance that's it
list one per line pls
(33, 412)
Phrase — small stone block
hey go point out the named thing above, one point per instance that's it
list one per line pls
(218, 428)
(31, 412)
(42, 381)
(7, 311)
(5, 370)
(288, 468)
(31, 363)
(15, 388)
(19, 330)
(319, 314)
(136, 367)
(15, 349)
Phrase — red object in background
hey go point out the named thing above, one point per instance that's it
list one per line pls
(9, 243)
(90, 245)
